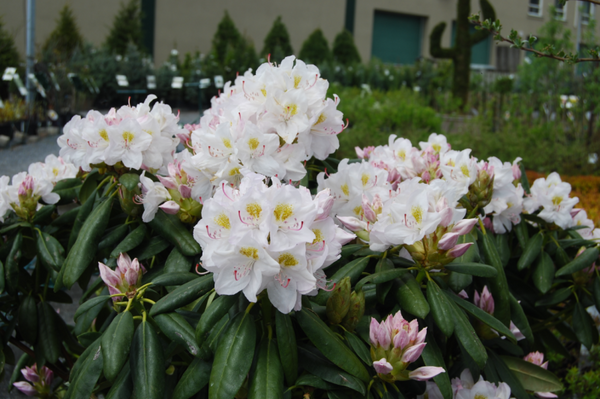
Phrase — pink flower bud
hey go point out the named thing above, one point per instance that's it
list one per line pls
(447, 215)
(516, 171)
(368, 212)
(29, 182)
(575, 212)
(324, 201)
(426, 176)
(185, 191)
(30, 373)
(383, 366)
(459, 250)
(485, 301)
(448, 241)
(488, 224)
(412, 354)
(22, 190)
(463, 294)
(359, 152)
(170, 207)
(26, 388)
(372, 329)
(464, 226)
(168, 182)
(352, 223)
(536, 358)
(425, 373)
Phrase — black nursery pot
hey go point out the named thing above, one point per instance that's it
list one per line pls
(7, 129)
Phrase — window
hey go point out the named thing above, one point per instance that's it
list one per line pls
(507, 59)
(587, 11)
(535, 7)
(560, 10)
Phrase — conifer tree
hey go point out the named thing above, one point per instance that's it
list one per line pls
(64, 39)
(9, 56)
(227, 35)
(126, 29)
(315, 48)
(344, 49)
(277, 42)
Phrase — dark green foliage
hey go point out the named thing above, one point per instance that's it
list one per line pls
(126, 29)
(227, 36)
(344, 49)
(315, 49)
(277, 42)
(65, 39)
(460, 53)
(9, 56)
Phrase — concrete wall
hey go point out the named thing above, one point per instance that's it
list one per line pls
(189, 25)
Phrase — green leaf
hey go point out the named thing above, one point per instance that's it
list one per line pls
(67, 218)
(48, 341)
(23, 361)
(85, 373)
(49, 251)
(532, 377)
(130, 181)
(330, 344)
(358, 347)
(322, 368)
(531, 251)
(114, 236)
(520, 319)
(133, 239)
(82, 215)
(459, 281)
(481, 315)
(555, 297)
(11, 269)
(440, 308)
(2, 279)
(209, 346)
(432, 356)
(584, 326)
(177, 263)
(348, 250)
(116, 342)
(463, 330)
(153, 247)
(183, 295)
(543, 274)
(522, 233)
(474, 269)
(28, 319)
(596, 292)
(352, 269)
(88, 305)
(380, 277)
(410, 297)
(176, 278)
(174, 231)
(233, 357)
(212, 314)
(503, 373)
(44, 215)
(193, 379)
(498, 284)
(286, 342)
(89, 186)
(147, 362)
(267, 380)
(178, 330)
(123, 385)
(313, 381)
(579, 242)
(84, 250)
(584, 260)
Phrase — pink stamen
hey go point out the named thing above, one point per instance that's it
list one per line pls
(200, 264)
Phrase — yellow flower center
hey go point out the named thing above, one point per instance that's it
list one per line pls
(364, 179)
(223, 221)
(297, 80)
(104, 134)
(292, 109)
(55, 171)
(556, 200)
(465, 170)
(322, 118)
(358, 211)
(249, 252)
(128, 136)
(226, 142)
(417, 213)
(282, 212)
(318, 236)
(253, 143)
(436, 147)
(345, 189)
(234, 171)
(402, 154)
(254, 209)
(287, 260)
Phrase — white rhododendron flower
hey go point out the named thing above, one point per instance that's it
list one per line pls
(277, 237)
(552, 195)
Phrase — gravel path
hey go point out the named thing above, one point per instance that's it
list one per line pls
(18, 158)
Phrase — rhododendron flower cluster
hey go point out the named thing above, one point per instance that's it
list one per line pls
(395, 344)
(552, 195)
(39, 381)
(466, 388)
(28, 188)
(138, 137)
(125, 279)
(269, 122)
(276, 237)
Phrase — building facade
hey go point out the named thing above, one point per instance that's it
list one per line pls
(394, 31)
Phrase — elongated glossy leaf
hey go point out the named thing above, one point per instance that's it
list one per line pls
(176, 278)
(459, 281)
(174, 231)
(484, 317)
(498, 284)
(348, 250)
(48, 341)
(133, 239)
(531, 251)
(211, 316)
(358, 347)
(584, 260)
(2, 279)
(584, 326)
(177, 262)
(432, 356)
(322, 368)
(153, 247)
(579, 242)
(380, 277)
(267, 380)
(49, 251)
(86, 373)
(23, 361)
(116, 342)
(123, 385)
(596, 292)
(114, 237)
(520, 319)
(193, 380)
(352, 269)
(468, 337)
(86, 306)
(11, 268)
(503, 373)
(178, 330)
(532, 377)
(286, 343)
(555, 297)
(474, 269)
(147, 363)
(543, 274)
(209, 347)
(130, 181)
(233, 357)
(330, 344)
(84, 211)
(410, 297)
(28, 319)
(183, 295)
(440, 308)
(313, 381)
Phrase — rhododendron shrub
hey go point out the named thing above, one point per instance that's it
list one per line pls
(253, 264)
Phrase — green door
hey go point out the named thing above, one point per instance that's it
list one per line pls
(396, 37)
(480, 53)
